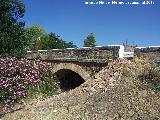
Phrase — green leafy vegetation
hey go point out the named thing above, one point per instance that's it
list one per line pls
(15, 40)
(19, 77)
(53, 41)
(40, 40)
(12, 40)
(90, 41)
(33, 34)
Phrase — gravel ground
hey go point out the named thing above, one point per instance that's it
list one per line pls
(114, 94)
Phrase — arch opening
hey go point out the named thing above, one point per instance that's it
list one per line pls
(68, 79)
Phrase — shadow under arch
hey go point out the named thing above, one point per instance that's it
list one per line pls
(68, 79)
(70, 75)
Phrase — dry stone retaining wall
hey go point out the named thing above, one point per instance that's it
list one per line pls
(150, 54)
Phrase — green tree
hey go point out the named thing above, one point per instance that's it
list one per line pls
(90, 41)
(50, 41)
(69, 45)
(33, 34)
(12, 40)
(53, 41)
(42, 43)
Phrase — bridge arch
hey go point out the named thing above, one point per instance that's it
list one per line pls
(70, 75)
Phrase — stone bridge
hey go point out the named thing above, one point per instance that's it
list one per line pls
(72, 67)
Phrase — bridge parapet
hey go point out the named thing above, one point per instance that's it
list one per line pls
(96, 54)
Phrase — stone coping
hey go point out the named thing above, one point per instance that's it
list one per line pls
(78, 49)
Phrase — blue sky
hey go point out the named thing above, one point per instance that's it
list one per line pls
(73, 20)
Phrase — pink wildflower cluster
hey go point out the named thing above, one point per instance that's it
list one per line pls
(16, 75)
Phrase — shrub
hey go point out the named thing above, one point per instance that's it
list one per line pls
(18, 76)
(147, 73)
(152, 77)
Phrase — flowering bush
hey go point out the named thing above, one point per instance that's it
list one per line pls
(16, 76)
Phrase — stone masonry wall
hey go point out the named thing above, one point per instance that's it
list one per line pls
(151, 54)
(90, 68)
(81, 54)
